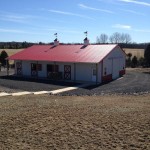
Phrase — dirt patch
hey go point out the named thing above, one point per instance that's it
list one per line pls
(87, 122)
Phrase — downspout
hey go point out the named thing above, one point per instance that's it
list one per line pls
(54, 71)
(96, 73)
(37, 69)
(7, 67)
(74, 72)
(102, 71)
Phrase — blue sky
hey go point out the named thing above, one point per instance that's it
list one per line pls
(38, 20)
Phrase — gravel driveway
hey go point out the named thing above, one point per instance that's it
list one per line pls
(12, 84)
(136, 81)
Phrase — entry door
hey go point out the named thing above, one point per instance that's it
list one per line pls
(67, 72)
(116, 66)
(19, 68)
(94, 74)
(34, 70)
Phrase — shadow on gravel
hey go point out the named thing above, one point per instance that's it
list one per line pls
(147, 73)
(45, 81)
(91, 87)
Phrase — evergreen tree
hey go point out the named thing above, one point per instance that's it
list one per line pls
(3, 57)
(134, 61)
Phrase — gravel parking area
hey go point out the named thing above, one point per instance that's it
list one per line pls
(12, 84)
(136, 81)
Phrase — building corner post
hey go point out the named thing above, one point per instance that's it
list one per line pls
(96, 73)
(7, 66)
(74, 72)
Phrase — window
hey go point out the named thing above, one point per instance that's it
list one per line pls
(39, 67)
(52, 68)
(94, 72)
(36, 67)
(33, 66)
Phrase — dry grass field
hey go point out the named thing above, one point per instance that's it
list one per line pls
(11, 51)
(135, 52)
(75, 122)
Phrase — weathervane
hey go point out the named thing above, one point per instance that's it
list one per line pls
(55, 35)
(86, 33)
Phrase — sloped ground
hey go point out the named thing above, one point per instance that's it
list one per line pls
(64, 122)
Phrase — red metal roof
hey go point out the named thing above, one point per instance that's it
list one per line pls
(64, 53)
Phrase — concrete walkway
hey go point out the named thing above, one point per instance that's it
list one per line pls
(2, 94)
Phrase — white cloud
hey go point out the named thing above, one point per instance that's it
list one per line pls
(20, 31)
(45, 31)
(142, 30)
(133, 12)
(120, 26)
(95, 9)
(11, 30)
(69, 13)
(13, 18)
(136, 2)
(19, 18)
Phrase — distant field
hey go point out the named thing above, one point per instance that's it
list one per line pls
(135, 52)
(11, 51)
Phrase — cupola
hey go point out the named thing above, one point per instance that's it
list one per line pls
(56, 42)
(86, 40)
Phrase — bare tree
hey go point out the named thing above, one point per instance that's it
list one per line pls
(111, 39)
(127, 38)
(97, 40)
(122, 38)
(103, 38)
(115, 37)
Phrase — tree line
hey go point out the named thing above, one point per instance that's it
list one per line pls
(20, 45)
(15, 45)
(114, 38)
